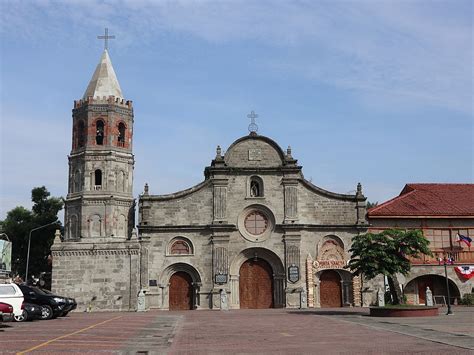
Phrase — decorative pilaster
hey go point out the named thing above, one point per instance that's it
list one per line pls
(310, 281)
(220, 259)
(220, 200)
(356, 289)
(361, 206)
(290, 186)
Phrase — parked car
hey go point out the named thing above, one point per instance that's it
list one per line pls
(51, 305)
(70, 306)
(6, 311)
(10, 293)
(31, 311)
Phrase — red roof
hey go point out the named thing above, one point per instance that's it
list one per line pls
(429, 200)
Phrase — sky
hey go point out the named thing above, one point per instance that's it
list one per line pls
(377, 92)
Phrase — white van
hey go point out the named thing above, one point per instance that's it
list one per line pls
(11, 294)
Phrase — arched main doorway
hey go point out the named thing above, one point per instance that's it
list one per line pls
(330, 289)
(180, 291)
(256, 284)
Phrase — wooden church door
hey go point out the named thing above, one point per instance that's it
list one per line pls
(330, 289)
(256, 284)
(180, 292)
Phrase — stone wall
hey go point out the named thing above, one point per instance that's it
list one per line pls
(100, 276)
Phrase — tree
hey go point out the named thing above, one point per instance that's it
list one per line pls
(372, 204)
(18, 224)
(387, 253)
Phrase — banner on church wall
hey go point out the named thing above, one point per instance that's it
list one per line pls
(329, 264)
(5, 256)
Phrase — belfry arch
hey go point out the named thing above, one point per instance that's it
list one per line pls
(277, 270)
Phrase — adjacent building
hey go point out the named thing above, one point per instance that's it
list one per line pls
(445, 214)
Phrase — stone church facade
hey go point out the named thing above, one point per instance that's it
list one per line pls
(254, 234)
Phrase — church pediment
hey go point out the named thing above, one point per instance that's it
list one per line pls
(254, 151)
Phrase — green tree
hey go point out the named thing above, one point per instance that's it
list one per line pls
(387, 253)
(372, 204)
(18, 224)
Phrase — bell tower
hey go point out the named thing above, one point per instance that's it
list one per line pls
(99, 204)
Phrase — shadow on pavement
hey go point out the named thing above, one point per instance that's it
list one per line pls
(329, 313)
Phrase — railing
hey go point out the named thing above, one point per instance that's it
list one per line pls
(460, 257)
(97, 187)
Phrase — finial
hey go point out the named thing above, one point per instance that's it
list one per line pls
(146, 189)
(288, 151)
(253, 128)
(218, 151)
(359, 188)
(106, 38)
(57, 236)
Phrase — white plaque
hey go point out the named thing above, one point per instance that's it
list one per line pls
(255, 154)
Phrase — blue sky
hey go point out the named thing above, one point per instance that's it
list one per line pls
(379, 92)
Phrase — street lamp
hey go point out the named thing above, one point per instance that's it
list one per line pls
(445, 261)
(29, 240)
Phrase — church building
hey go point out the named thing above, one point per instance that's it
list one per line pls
(253, 234)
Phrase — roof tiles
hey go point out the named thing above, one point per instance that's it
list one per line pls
(429, 200)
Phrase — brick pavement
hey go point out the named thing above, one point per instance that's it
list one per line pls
(276, 331)
(296, 332)
(93, 333)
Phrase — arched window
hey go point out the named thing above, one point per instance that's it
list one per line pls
(121, 135)
(99, 134)
(81, 134)
(256, 187)
(180, 246)
(98, 179)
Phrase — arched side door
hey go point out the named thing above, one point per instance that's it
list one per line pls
(180, 292)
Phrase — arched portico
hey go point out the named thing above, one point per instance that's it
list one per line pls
(183, 272)
(276, 267)
(415, 289)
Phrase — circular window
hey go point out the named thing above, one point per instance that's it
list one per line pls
(256, 223)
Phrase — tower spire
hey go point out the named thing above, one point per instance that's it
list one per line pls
(104, 81)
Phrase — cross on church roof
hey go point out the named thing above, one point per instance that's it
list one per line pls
(253, 128)
(106, 38)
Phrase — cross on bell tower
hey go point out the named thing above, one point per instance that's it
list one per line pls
(106, 38)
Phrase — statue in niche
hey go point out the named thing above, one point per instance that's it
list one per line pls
(254, 189)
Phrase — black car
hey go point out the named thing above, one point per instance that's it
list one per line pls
(71, 303)
(51, 305)
(31, 311)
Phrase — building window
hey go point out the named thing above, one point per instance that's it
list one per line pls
(98, 179)
(180, 247)
(256, 223)
(121, 135)
(439, 239)
(99, 134)
(81, 136)
(256, 187)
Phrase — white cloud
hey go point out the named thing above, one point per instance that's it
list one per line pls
(377, 48)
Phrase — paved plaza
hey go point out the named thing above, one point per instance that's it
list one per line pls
(275, 331)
